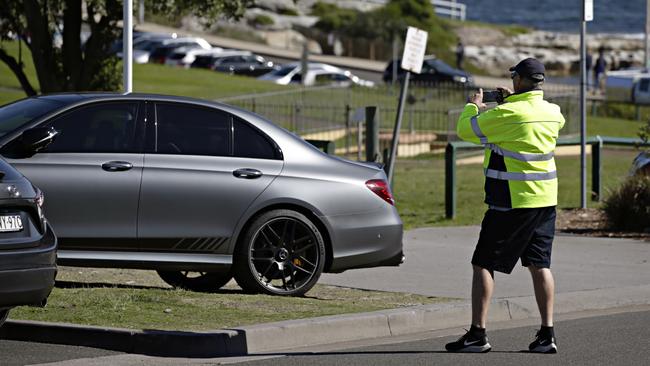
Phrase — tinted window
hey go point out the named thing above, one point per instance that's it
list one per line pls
(23, 111)
(192, 130)
(283, 71)
(250, 143)
(105, 127)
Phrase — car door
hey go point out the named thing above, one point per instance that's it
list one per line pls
(204, 170)
(91, 175)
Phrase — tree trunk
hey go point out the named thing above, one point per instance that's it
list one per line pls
(17, 69)
(72, 58)
(47, 68)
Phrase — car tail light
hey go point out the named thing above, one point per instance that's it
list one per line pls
(40, 198)
(381, 189)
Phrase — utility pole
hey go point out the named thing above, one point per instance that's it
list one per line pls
(646, 62)
(587, 15)
(127, 46)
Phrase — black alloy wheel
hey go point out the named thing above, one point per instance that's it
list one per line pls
(282, 253)
(196, 281)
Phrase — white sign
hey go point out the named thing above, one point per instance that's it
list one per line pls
(589, 10)
(414, 48)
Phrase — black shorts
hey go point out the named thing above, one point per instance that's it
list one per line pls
(506, 236)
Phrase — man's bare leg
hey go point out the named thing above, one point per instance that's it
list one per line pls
(544, 292)
(482, 288)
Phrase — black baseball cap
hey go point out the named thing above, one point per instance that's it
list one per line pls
(530, 68)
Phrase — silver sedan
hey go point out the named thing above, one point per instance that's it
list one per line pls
(198, 191)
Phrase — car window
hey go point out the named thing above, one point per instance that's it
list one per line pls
(250, 143)
(98, 128)
(16, 114)
(192, 130)
(297, 77)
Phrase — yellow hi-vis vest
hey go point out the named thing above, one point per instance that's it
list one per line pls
(519, 138)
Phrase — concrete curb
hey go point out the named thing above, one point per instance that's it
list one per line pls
(277, 336)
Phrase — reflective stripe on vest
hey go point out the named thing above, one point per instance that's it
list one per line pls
(477, 130)
(501, 175)
(519, 156)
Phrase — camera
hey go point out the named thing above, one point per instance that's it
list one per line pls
(493, 96)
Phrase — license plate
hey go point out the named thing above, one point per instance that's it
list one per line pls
(10, 223)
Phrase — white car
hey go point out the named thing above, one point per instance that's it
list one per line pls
(317, 74)
(142, 48)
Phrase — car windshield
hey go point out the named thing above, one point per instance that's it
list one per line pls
(14, 115)
(283, 71)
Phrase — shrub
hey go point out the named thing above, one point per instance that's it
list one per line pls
(261, 20)
(287, 11)
(628, 207)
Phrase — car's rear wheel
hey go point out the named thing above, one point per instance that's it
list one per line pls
(196, 281)
(3, 316)
(281, 253)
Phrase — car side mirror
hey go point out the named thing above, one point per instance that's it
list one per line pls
(30, 142)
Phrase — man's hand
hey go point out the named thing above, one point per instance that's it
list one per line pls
(477, 99)
(505, 91)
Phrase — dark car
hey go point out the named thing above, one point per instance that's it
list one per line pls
(434, 70)
(27, 242)
(201, 192)
(249, 65)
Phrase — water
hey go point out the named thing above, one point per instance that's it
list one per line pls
(610, 16)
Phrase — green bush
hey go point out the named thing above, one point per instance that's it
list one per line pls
(628, 207)
(261, 20)
(287, 11)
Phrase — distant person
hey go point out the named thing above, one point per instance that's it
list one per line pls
(599, 69)
(589, 64)
(521, 185)
(460, 55)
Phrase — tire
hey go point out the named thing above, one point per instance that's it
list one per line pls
(290, 254)
(196, 281)
(3, 316)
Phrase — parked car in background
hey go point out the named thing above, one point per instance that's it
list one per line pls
(222, 192)
(142, 50)
(207, 61)
(185, 56)
(249, 65)
(317, 74)
(27, 242)
(434, 70)
(628, 86)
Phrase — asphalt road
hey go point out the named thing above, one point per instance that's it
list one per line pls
(613, 339)
(619, 339)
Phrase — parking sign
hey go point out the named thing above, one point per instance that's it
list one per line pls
(414, 49)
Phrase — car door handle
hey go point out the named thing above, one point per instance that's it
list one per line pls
(247, 173)
(117, 166)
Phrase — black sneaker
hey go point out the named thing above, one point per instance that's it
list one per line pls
(470, 343)
(543, 344)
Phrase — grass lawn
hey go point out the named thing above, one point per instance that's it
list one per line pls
(149, 78)
(101, 297)
(420, 187)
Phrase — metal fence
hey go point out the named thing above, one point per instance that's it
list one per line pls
(335, 114)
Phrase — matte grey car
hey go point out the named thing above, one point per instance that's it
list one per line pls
(200, 192)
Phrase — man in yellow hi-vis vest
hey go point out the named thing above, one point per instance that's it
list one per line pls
(521, 191)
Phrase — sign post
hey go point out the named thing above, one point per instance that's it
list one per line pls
(587, 16)
(412, 58)
(127, 46)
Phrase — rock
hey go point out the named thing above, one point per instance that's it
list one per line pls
(276, 6)
(289, 40)
(167, 311)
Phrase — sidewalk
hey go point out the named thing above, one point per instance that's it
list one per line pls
(437, 264)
